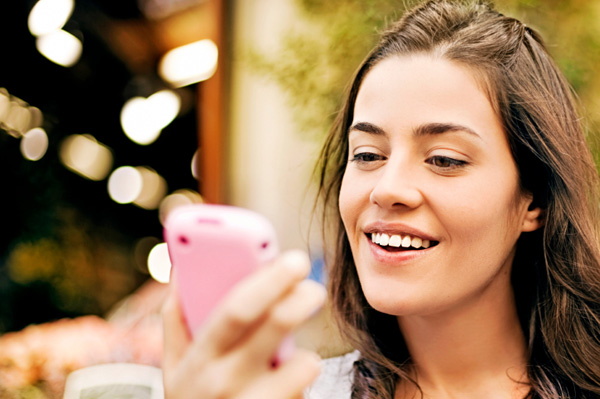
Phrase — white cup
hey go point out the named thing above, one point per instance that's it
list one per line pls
(115, 381)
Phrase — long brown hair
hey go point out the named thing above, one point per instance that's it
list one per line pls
(556, 272)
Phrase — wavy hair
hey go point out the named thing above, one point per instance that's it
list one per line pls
(556, 271)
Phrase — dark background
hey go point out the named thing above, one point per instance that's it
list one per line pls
(55, 214)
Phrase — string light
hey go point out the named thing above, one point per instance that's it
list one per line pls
(195, 166)
(60, 47)
(159, 263)
(188, 64)
(84, 155)
(48, 16)
(143, 119)
(34, 144)
(125, 184)
(176, 199)
(154, 189)
(16, 116)
(23, 121)
(46, 20)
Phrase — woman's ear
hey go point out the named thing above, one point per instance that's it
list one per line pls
(534, 218)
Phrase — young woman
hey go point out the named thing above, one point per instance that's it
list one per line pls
(466, 262)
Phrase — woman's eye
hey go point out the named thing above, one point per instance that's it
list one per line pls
(445, 162)
(367, 157)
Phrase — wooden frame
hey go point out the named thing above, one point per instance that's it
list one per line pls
(211, 116)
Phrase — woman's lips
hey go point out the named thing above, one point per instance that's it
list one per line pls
(396, 255)
(391, 229)
(402, 241)
(391, 242)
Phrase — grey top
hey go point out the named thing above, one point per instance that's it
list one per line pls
(335, 380)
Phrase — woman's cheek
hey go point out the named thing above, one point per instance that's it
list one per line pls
(348, 206)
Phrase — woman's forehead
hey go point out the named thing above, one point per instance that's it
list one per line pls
(421, 89)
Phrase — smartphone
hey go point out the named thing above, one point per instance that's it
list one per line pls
(213, 247)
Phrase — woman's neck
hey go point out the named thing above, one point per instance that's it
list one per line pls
(474, 351)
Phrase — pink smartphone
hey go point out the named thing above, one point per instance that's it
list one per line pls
(212, 247)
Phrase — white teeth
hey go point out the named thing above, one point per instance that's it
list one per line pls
(395, 241)
(406, 242)
(384, 239)
(416, 242)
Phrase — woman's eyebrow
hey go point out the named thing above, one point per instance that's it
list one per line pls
(441, 128)
(367, 128)
(421, 130)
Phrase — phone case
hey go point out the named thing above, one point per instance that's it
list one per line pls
(212, 247)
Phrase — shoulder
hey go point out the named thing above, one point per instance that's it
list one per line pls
(335, 380)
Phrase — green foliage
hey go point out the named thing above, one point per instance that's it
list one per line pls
(87, 272)
(314, 65)
(571, 32)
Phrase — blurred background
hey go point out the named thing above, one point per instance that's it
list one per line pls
(112, 112)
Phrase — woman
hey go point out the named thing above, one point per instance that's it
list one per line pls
(466, 261)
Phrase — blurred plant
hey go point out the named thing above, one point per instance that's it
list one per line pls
(87, 269)
(571, 30)
(316, 61)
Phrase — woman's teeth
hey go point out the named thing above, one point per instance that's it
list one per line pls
(396, 240)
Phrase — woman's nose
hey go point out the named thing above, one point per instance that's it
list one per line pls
(397, 186)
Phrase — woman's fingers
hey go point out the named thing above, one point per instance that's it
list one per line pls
(249, 302)
(294, 309)
(230, 355)
(254, 355)
(176, 337)
(288, 381)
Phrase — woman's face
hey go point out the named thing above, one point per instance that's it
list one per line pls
(430, 197)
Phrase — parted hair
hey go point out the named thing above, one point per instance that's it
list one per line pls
(556, 271)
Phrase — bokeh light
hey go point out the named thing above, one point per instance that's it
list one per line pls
(4, 104)
(85, 156)
(154, 189)
(60, 47)
(35, 117)
(190, 63)
(143, 119)
(139, 185)
(159, 263)
(16, 116)
(125, 184)
(177, 199)
(48, 16)
(34, 144)
(195, 165)
(141, 251)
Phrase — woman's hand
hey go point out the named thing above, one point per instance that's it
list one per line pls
(231, 356)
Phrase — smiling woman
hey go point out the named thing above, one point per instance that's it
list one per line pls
(438, 169)
(458, 129)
